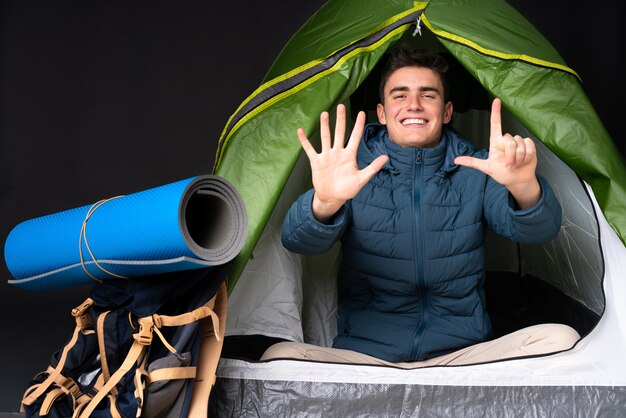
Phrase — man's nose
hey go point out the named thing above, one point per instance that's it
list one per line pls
(414, 103)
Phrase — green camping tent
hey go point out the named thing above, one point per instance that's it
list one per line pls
(577, 279)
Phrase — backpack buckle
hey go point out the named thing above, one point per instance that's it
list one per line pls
(82, 308)
(71, 386)
(81, 314)
(144, 336)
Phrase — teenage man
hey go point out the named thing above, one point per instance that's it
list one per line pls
(410, 202)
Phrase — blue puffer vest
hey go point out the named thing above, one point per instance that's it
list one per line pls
(411, 281)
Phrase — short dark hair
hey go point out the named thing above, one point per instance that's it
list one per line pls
(404, 56)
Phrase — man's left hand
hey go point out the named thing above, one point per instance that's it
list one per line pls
(512, 162)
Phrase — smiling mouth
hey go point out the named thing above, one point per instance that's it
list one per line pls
(413, 121)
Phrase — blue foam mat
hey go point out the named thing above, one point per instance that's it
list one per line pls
(193, 223)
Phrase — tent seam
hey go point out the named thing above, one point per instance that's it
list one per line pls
(493, 53)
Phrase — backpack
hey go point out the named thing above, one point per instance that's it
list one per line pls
(144, 346)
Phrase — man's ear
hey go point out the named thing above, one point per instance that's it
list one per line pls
(447, 112)
(380, 111)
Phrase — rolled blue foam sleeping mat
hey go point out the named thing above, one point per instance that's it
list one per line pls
(189, 224)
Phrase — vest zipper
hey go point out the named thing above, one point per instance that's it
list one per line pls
(418, 247)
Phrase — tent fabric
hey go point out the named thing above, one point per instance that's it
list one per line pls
(193, 223)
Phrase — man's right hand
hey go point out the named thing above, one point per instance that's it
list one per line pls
(335, 174)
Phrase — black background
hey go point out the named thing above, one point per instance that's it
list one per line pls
(101, 98)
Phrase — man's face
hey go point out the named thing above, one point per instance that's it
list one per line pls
(414, 110)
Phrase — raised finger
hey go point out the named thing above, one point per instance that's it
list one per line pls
(340, 126)
(496, 120)
(375, 166)
(325, 131)
(357, 132)
(306, 144)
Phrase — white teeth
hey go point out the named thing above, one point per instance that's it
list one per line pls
(413, 122)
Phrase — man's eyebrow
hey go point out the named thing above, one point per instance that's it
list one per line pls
(430, 88)
(398, 88)
(420, 89)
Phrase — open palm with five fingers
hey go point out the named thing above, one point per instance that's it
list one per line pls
(512, 162)
(335, 173)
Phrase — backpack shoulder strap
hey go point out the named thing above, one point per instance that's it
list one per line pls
(212, 339)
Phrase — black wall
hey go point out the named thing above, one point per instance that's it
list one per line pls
(101, 98)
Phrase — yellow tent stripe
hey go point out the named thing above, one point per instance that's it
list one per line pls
(493, 53)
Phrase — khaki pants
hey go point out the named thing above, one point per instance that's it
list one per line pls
(534, 340)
